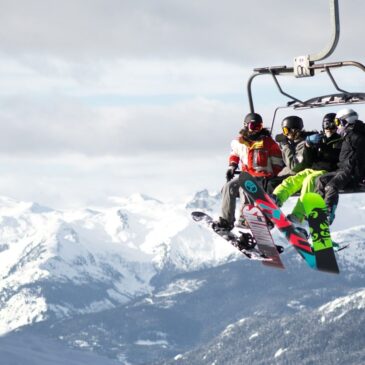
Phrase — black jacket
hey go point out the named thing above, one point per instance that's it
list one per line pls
(352, 155)
(326, 155)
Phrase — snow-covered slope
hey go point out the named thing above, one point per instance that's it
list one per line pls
(339, 307)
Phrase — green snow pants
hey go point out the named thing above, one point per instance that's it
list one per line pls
(304, 181)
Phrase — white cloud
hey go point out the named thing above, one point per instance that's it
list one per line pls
(96, 98)
(51, 128)
(245, 31)
(75, 180)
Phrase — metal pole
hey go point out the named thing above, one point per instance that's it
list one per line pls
(249, 92)
(335, 25)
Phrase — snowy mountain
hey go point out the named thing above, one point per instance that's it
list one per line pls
(17, 349)
(62, 263)
(140, 282)
(331, 334)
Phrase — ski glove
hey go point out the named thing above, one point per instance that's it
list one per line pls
(281, 139)
(314, 139)
(230, 172)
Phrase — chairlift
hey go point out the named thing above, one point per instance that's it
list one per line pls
(306, 66)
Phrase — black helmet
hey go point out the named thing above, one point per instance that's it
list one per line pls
(252, 122)
(253, 117)
(292, 122)
(329, 121)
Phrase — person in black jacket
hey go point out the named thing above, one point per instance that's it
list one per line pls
(351, 166)
(324, 150)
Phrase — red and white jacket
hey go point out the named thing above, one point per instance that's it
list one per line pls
(261, 157)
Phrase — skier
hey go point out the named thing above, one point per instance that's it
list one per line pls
(324, 149)
(294, 150)
(258, 154)
(351, 166)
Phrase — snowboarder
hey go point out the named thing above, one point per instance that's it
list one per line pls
(351, 166)
(258, 154)
(324, 150)
(294, 150)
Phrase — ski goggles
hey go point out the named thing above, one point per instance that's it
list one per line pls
(329, 125)
(340, 122)
(287, 130)
(254, 126)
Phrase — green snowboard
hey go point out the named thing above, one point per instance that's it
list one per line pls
(316, 212)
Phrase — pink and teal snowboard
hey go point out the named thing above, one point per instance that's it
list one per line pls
(319, 257)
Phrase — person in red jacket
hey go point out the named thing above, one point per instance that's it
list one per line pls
(259, 155)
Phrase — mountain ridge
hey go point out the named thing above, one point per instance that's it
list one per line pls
(131, 281)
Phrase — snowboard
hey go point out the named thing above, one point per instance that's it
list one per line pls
(270, 209)
(253, 254)
(316, 213)
(257, 223)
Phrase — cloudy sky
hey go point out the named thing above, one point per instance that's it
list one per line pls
(105, 98)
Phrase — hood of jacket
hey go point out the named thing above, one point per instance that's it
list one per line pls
(264, 132)
(359, 127)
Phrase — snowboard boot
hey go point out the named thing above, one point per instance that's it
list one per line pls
(222, 225)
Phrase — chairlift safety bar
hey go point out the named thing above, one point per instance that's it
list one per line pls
(275, 71)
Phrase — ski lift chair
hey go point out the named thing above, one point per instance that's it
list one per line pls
(305, 66)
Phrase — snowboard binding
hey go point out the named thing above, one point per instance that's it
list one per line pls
(246, 241)
(303, 232)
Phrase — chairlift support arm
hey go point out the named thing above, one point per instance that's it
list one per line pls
(305, 66)
(302, 64)
(335, 36)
